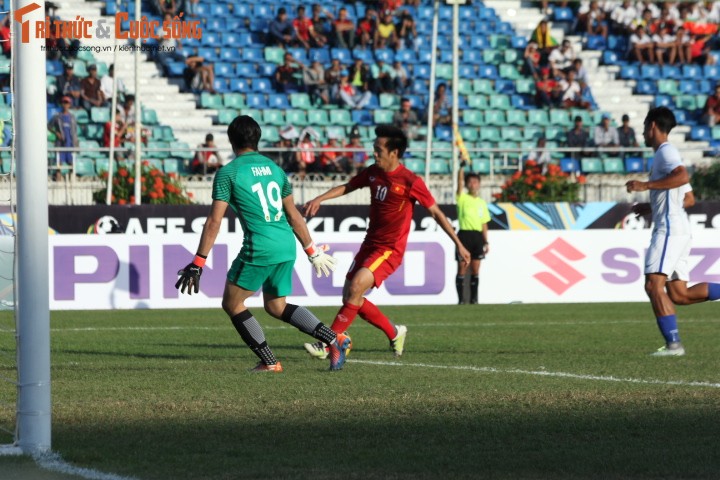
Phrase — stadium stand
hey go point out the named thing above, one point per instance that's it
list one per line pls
(497, 94)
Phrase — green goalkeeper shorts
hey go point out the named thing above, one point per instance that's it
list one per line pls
(274, 279)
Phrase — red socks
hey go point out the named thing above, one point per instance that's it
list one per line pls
(344, 318)
(372, 314)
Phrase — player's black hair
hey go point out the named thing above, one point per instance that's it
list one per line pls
(663, 117)
(244, 132)
(470, 175)
(396, 139)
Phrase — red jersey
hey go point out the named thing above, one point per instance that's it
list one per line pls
(392, 197)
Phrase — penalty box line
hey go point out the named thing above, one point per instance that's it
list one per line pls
(543, 373)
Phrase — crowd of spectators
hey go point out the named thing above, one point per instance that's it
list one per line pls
(604, 135)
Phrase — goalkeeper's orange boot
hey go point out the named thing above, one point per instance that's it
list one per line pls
(338, 351)
(261, 368)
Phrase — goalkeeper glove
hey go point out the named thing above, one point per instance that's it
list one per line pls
(321, 261)
(190, 275)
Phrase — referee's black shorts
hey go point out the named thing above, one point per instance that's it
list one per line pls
(474, 241)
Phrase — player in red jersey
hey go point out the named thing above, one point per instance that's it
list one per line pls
(394, 190)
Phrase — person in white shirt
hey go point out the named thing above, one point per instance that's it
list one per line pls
(665, 46)
(605, 135)
(623, 15)
(572, 92)
(667, 267)
(106, 85)
(683, 42)
(561, 59)
(642, 47)
(647, 5)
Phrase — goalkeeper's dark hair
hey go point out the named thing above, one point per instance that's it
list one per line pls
(470, 175)
(663, 117)
(396, 138)
(244, 132)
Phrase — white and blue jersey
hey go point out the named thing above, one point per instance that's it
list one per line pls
(670, 244)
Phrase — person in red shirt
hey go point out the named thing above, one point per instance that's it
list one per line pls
(546, 90)
(304, 30)
(366, 28)
(711, 111)
(394, 190)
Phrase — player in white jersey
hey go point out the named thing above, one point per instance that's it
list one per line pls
(666, 261)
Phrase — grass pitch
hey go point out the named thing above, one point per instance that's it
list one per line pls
(499, 391)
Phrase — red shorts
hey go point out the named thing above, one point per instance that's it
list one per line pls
(381, 261)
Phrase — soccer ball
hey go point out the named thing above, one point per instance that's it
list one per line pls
(106, 224)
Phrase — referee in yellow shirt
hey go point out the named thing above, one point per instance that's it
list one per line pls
(473, 217)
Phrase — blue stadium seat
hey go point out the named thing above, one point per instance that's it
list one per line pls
(569, 165)
(223, 69)
(518, 42)
(208, 53)
(321, 55)
(362, 117)
(364, 54)
(700, 133)
(299, 54)
(239, 85)
(488, 71)
(220, 85)
(175, 69)
(646, 87)
(634, 164)
(421, 71)
(444, 133)
(54, 67)
(595, 42)
(384, 54)
(262, 10)
(259, 25)
(479, 43)
(630, 72)
(688, 87)
(472, 56)
(245, 70)
(342, 54)
(231, 39)
(664, 101)
(650, 72)
(711, 71)
(670, 71)
(219, 10)
(210, 39)
(610, 58)
(424, 55)
(253, 55)
(256, 100)
(406, 56)
(215, 24)
(278, 100)
(563, 14)
(691, 72)
(229, 55)
(241, 9)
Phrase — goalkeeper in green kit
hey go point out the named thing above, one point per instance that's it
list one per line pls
(260, 194)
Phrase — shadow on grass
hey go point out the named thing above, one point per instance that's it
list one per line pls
(500, 442)
(145, 356)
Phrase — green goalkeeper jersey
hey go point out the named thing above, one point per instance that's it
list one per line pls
(254, 187)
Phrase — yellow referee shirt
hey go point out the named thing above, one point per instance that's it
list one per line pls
(473, 212)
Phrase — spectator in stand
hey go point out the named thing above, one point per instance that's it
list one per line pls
(68, 85)
(441, 114)
(385, 33)
(406, 31)
(561, 59)
(198, 76)
(547, 90)
(5, 41)
(645, 21)
(366, 28)
(306, 154)
(605, 136)
(683, 42)
(383, 80)
(120, 129)
(207, 158)
(314, 80)
(106, 85)
(322, 20)
(64, 126)
(572, 92)
(622, 17)
(401, 78)
(333, 76)
(665, 46)
(581, 73)
(642, 47)
(711, 110)
(286, 75)
(360, 76)
(713, 12)
(351, 96)
(594, 21)
(649, 5)
(700, 51)
(344, 29)
(332, 160)
(532, 61)
(406, 119)
(126, 111)
(541, 36)
(540, 155)
(389, 6)
(577, 137)
(281, 32)
(626, 136)
(166, 7)
(358, 157)
(90, 93)
(305, 32)
(286, 158)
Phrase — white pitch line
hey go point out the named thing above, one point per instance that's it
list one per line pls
(55, 463)
(543, 373)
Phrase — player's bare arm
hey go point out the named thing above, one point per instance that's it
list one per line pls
(212, 227)
(689, 199)
(444, 223)
(296, 221)
(461, 178)
(311, 208)
(679, 176)
(486, 247)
